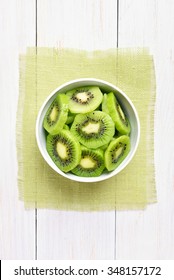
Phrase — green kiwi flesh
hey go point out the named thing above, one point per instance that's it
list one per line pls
(64, 150)
(117, 114)
(56, 114)
(104, 104)
(66, 127)
(84, 99)
(94, 129)
(91, 163)
(87, 132)
(116, 152)
(70, 118)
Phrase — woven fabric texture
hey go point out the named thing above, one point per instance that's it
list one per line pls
(44, 69)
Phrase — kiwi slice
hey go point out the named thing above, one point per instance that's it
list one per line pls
(91, 163)
(117, 114)
(116, 152)
(70, 118)
(56, 114)
(66, 127)
(64, 150)
(93, 129)
(84, 99)
(104, 104)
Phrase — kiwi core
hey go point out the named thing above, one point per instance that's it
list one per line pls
(120, 112)
(83, 97)
(61, 150)
(53, 114)
(87, 162)
(117, 153)
(91, 128)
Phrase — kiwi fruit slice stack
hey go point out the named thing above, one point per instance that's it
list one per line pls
(114, 109)
(91, 163)
(84, 99)
(87, 132)
(64, 150)
(116, 152)
(56, 114)
(93, 129)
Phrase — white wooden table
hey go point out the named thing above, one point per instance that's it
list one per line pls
(87, 24)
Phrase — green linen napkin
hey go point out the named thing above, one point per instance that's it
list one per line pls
(44, 69)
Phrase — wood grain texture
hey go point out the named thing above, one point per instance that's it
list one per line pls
(17, 29)
(77, 24)
(75, 235)
(149, 234)
(81, 25)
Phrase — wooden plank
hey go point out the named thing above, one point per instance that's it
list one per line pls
(17, 29)
(82, 25)
(78, 24)
(149, 234)
(137, 23)
(75, 235)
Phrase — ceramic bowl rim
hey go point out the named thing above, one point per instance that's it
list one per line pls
(72, 176)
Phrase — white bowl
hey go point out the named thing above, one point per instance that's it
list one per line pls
(127, 106)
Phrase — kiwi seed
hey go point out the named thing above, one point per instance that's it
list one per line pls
(116, 152)
(56, 114)
(64, 150)
(93, 129)
(84, 99)
(91, 163)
